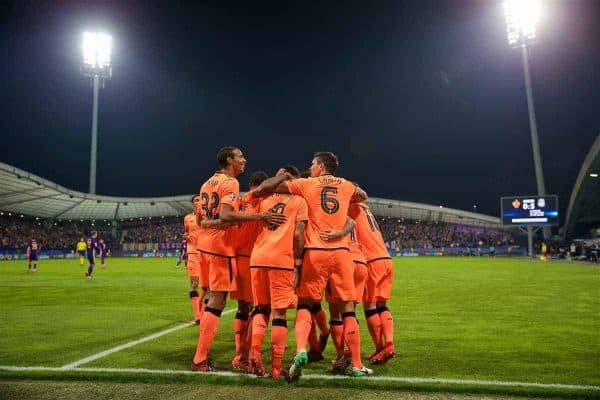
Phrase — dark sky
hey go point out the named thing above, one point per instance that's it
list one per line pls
(422, 101)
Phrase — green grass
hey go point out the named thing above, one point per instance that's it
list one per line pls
(462, 318)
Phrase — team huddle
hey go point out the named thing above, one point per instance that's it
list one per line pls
(288, 243)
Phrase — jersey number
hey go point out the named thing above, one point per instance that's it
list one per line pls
(329, 204)
(278, 209)
(210, 210)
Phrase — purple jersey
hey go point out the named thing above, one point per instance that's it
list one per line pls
(183, 249)
(92, 247)
(103, 249)
(33, 247)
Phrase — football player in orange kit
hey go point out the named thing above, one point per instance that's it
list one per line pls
(276, 254)
(192, 230)
(378, 287)
(219, 197)
(245, 237)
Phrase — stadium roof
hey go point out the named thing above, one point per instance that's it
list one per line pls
(583, 211)
(22, 192)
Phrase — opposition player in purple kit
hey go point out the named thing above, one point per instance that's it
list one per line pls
(32, 254)
(182, 251)
(92, 248)
(102, 251)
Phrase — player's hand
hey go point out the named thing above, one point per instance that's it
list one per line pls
(330, 234)
(283, 172)
(272, 218)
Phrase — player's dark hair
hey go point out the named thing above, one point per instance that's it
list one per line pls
(93, 233)
(194, 196)
(257, 178)
(224, 154)
(329, 160)
(292, 170)
(305, 174)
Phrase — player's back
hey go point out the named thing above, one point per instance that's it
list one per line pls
(368, 232)
(217, 190)
(328, 198)
(274, 246)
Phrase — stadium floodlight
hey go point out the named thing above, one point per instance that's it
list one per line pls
(522, 17)
(97, 48)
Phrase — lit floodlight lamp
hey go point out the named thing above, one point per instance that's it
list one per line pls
(522, 17)
(97, 48)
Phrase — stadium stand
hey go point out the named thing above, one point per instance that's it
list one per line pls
(58, 217)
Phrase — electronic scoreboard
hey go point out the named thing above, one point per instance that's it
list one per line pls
(529, 210)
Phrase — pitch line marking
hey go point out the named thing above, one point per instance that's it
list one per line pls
(124, 346)
(315, 376)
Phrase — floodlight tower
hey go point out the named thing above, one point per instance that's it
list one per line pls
(96, 64)
(522, 17)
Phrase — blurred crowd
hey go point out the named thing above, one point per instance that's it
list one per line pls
(167, 230)
(15, 233)
(402, 233)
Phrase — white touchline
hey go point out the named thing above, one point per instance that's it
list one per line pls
(124, 346)
(327, 377)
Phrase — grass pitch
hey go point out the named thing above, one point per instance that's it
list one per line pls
(456, 318)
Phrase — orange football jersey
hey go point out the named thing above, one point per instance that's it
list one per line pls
(193, 230)
(217, 190)
(355, 248)
(368, 233)
(246, 233)
(328, 198)
(274, 246)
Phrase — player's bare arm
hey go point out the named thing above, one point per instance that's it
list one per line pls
(228, 215)
(272, 185)
(298, 251)
(359, 195)
(332, 234)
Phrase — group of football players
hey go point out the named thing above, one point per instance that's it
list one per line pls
(291, 242)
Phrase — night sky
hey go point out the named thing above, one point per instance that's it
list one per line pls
(422, 101)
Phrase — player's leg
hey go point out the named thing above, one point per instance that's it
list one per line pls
(310, 291)
(336, 325)
(370, 306)
(320, 318)
(243, 295)
(221, 281)
(260, 317)
(90, 269)
(382, 295)
(194, 274)
(343, 291)
(283, 297)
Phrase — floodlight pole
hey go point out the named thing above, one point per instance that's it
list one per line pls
(94, 151)
(535, 144)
